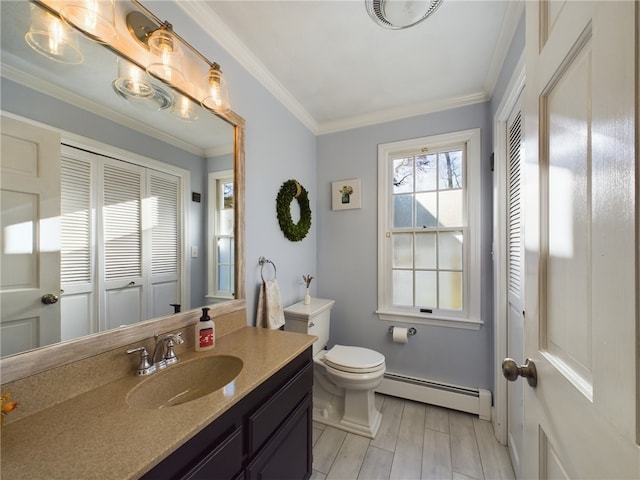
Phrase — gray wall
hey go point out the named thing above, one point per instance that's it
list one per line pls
(277, 148)
(347, 254)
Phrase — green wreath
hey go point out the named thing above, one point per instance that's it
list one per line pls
(293, 231)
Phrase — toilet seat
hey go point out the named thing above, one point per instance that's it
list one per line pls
(354, 359)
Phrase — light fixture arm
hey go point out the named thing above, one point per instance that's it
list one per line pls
(166, 24)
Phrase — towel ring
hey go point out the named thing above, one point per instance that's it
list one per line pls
(262, 261)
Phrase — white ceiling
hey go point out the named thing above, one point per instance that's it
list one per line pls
(335, 69)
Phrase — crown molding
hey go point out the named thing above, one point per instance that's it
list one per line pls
(400, 113)
(515, 9)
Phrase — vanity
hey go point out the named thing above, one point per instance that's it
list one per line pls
(257, 426)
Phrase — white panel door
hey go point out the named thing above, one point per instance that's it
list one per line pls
(29, 240)
(581, 290)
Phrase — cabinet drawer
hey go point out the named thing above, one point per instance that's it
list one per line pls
(265, 421)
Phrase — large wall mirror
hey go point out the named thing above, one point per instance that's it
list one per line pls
(182, 157)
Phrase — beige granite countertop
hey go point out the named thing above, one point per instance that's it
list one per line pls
(97, 435)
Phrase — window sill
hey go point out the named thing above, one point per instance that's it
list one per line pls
(219, 298)
(440, 321)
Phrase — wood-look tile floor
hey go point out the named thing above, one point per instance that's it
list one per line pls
(415, 441)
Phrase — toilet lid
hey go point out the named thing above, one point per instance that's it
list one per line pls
(356, 358)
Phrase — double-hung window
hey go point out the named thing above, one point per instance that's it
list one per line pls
(429, 230)
(221, 281)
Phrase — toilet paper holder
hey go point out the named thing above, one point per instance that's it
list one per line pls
(411, 331)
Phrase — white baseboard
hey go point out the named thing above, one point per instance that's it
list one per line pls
(464, 399)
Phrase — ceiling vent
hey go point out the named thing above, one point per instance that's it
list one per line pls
(400, 14)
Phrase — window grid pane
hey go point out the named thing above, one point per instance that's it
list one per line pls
(428, 198)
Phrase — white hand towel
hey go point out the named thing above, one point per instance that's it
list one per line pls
(270, 313)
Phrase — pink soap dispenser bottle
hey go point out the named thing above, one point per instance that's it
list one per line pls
(205, 332)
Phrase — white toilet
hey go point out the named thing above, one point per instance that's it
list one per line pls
(344, 377)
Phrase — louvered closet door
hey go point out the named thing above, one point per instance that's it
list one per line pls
(123, 297)
(163, 194)
(515, 301)
(77, 255)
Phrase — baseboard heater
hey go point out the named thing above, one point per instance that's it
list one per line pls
(464, 399)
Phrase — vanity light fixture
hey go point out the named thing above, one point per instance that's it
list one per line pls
(183, 109)
(51, 37)
(165, 55)
(94, 18)
(165, 61)
(162, 43)
(217, 96)
(132, 81)
(400, 14)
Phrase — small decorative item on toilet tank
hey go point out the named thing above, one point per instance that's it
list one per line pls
(307, 280)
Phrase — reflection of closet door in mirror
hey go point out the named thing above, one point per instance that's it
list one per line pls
(122, 224)
(78, 314)
(30, 250)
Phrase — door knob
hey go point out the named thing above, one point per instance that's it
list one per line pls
(49, 299)
(512, 371)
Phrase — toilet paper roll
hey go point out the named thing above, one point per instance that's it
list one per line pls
(400, 335)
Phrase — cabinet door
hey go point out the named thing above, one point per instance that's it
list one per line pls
(222, 463)
(288, 454)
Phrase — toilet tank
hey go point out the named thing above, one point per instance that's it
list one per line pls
(312, 319)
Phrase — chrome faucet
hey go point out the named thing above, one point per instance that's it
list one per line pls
(145, 368)
(164, 347)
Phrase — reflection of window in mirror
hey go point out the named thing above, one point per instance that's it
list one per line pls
(221, 279)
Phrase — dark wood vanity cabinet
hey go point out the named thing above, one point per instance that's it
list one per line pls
(266, 435)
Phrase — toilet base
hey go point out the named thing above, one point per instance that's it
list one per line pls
(329, 410)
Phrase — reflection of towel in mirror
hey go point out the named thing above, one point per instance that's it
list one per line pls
(270, 313)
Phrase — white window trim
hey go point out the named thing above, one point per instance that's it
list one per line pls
(212, 206)
(472, 319)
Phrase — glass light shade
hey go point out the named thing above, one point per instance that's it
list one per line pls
(94, 18)
(217, 95)
(165, 56)
(132, 81)
(183, 109)
(49, 36)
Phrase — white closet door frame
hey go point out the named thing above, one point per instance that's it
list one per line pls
(500, 254)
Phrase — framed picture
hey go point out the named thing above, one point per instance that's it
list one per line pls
(346, 194)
